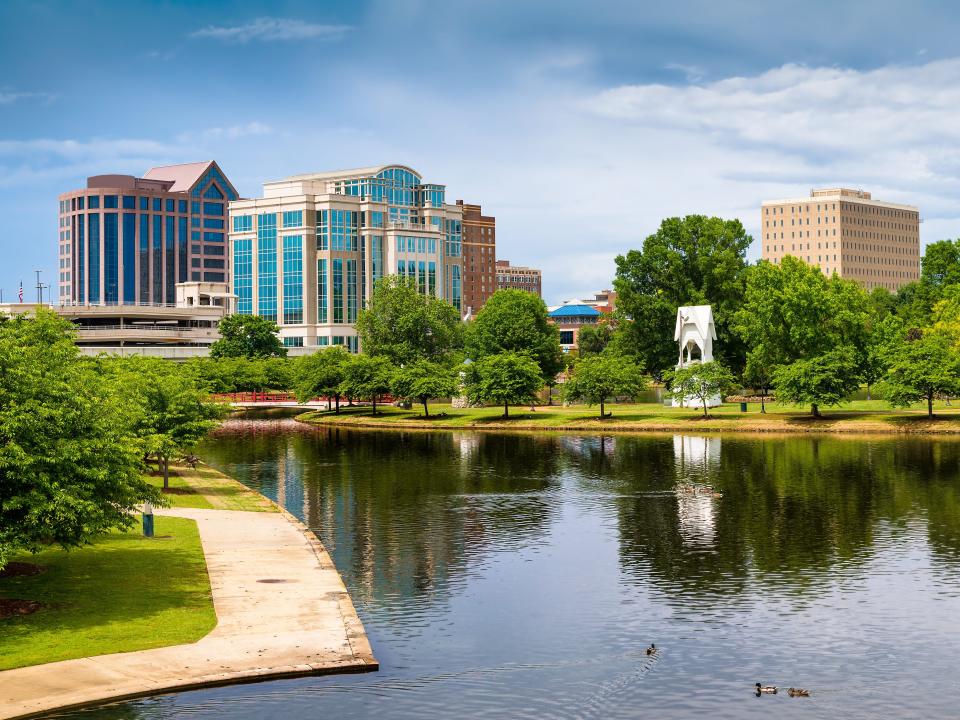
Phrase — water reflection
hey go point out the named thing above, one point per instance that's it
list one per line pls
(522, 575)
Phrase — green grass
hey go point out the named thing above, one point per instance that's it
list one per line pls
(863, 415)
(123, 593)
(204, 487)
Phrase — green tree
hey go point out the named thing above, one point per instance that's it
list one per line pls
(940, 265)
(826, 379)
(423, 380)
(367, 378)
(516, 321)
(322, 374)
(598, 377)
(694, 260)
(174, 412)
(404, 325)
(594, 339)
(506, 378)
(248, 336)
(922, 368)
(701, 381)
(70, 467)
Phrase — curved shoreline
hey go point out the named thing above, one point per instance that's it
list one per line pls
(305, 625)
(910, 426)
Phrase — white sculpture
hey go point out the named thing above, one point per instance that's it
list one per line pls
(695, 331)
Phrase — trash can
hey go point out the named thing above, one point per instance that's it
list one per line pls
(743, 407)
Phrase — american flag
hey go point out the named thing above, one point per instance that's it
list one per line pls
(21, 292)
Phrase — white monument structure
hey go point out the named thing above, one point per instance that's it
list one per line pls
(695, 332)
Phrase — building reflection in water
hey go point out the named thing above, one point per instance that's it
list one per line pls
(697, 458)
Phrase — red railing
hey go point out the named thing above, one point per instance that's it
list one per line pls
(277, 397)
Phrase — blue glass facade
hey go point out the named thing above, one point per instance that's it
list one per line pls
(111, 258)
(243, 275)
(93, 257)
(293, 280)
(267, 266)
(129, 256)
(321, 290)
(351, 291)
(293, 218)
(337, 290)
(157, 251)
(144, 258)
(170, 295)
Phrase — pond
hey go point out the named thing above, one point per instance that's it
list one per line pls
(523, 575)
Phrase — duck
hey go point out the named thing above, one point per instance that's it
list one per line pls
(798, 692)
(652, 650)
(771, 689)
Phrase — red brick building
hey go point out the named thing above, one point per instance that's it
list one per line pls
(479, 257)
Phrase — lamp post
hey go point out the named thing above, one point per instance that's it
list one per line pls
(148, 519)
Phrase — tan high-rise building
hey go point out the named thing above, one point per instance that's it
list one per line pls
(479, 257)
(518, 277)
(845, 231)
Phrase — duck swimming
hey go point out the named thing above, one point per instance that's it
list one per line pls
(769, 689)
(798, 692)
(652, 650)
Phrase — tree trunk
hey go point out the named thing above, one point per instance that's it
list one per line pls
(336, 396)
(506, 410)
(166, 473)
(705, 406)
(374, 398)
(763, 408)
(814, 410)
(426, 411)
(329, 405)
(868, 392)
(930, 403)
(601, 409)
(549, 395)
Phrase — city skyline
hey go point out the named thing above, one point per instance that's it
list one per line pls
(585, 126)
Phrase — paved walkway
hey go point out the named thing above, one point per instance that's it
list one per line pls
(302, 622)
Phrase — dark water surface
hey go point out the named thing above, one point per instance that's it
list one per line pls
(522, 576)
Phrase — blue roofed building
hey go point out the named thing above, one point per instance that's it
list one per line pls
(570, 317)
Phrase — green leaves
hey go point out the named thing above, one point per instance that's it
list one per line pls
(322, 373)
(596, 378)
(507, 378)
(922, 368)
(247, 336)
(701, 381)
(827, 379)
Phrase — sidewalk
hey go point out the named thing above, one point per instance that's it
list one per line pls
(282, 611)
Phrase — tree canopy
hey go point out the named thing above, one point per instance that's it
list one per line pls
(506, 378)
(322, 374)
(422, 381)
(70, 468)
(367, 378)
(920, 368)
(596, 378)
(694, 260)
(405, 325)
(516, 321)
(826, 379)
(248, 336)
(700, 381)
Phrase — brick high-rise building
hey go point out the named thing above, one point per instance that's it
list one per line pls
(479, 257)
(518, 277)
(848, 232)
(126, 240)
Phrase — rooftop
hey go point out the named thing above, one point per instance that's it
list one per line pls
(841, 193)
(575, 310)
(184, 176)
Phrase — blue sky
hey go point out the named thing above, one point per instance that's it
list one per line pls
(579, 125)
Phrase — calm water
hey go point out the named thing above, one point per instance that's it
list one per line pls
(522, 576)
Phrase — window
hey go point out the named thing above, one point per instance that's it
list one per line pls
(111, 256)
(293, 218)
(93, 257)
(213, 208)
(243, 275)
(157, 205)
(182, 207)
(566, 337)
(93, 202)
(376, 219)
(171, 205)
(144, 203)
(337, 290)
(214, 277)
(213, 263)
(170, 252)
(129, 202)
(129, 256)
(242, 223)
(321, 290)
(144, 257)
(213, 223)
(293, 279)
(267, 266)
(158, 258)
(322, 230)
(292, 341)
(351, 291)
(218, 237)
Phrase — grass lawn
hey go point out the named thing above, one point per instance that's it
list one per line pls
(125, 592)
(855, 416)
(206, 488)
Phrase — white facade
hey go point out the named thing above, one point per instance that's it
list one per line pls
(695, 332)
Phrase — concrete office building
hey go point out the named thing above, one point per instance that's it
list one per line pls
(479, 257)
(847, 232)
(126, 240)
(307, 253)
(518, 277)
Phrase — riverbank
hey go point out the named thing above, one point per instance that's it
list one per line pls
(859, 417)
(281, 610)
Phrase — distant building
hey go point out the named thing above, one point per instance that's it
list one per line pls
(126, 240)
(570, 318)
(845, 232)
(479, 257)
(307, 253)
(518, 277)
(605, 301)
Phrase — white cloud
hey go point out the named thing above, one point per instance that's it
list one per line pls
(266, 29)
(9, 98)
(231, 132)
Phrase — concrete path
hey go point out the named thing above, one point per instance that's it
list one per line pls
(299, 622)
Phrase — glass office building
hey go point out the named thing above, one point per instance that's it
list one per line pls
(306, 254)
(125, 240)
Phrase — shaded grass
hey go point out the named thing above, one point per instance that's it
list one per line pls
(860, 415)
(122, 593)
(204, 487)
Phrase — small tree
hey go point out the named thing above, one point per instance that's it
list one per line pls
(321, 375)
(825, 380)
(367, 378)
(921, 369)
(758, 376)
(504, 379)
(424, 380)
(598, 377)
(702, 381)
(593, 339)
(249, 336)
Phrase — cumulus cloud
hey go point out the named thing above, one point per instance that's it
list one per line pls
(268, 29)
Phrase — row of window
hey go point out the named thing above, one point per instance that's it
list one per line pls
(131, 202)
(860, 208)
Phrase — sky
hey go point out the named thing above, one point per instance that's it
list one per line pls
(580, 126)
